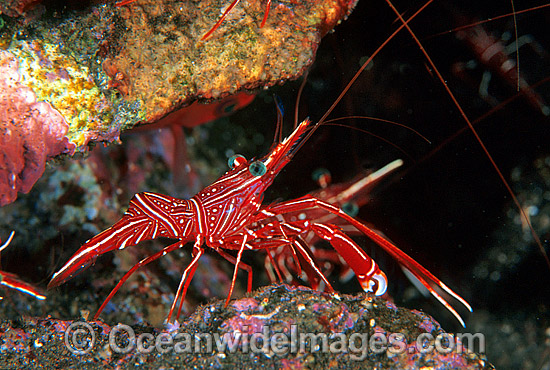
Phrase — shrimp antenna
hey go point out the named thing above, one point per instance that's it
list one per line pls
(280, 115)
(356, 76)
(474, 132)
(297, 104)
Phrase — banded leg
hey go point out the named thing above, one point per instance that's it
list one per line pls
(369, 275)
(282, 257)
(279, 261)
(269, 263)
(124, 2)
(141, 263)
(237, 262)
(12, 281)
(309, 265)
(305, 252)
(279, 258)
(186, 279)
(243, 265)
(266, 13)
(420, 272)
(184, 293)
(306, 255)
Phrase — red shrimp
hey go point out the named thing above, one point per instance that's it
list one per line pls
(349, 196)
(14, 282)
(241, 222)
(492, 53)
(229, 215)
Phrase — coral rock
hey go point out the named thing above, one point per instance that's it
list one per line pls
(107, 69)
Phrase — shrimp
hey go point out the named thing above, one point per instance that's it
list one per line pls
(251, 226)
(12, 281)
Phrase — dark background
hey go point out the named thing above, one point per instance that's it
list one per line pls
(448, 205)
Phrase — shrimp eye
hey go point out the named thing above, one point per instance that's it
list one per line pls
(257, 168)
(322, 177)
(229, 108)
(226, 108)
(350, 208)
(235, 161)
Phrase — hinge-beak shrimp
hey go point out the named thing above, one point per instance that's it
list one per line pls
(228, 215)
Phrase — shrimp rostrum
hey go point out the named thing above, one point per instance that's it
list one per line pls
(228, 216)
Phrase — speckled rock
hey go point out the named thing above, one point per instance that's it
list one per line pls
(278, 326)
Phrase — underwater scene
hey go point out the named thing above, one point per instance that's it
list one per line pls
(283, 184)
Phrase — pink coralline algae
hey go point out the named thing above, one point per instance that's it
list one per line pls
(426, 323)
(245, 304)
(14, 340)
(31, 132)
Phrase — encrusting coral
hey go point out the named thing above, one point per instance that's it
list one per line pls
(31, 132)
